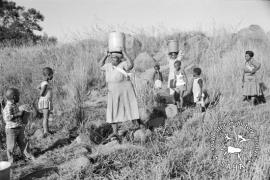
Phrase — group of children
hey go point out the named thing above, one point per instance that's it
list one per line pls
(122, 104)
(177, 83)
(15, 117)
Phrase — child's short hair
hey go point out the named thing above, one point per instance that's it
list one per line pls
(170, 53)
(178, 62)
(47, 71)
(11, 92)
(250, 53)
(157, 66)
(197, 71)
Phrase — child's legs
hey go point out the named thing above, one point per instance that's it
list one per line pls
(181, 98)
(45, 120)
(21, 139)
(10, 141)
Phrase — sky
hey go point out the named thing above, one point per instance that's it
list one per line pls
(65, 18)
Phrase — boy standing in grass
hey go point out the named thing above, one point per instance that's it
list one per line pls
(13, 119)
(157, 77)
(197, 89)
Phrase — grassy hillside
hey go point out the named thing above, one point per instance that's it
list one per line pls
(181, 149)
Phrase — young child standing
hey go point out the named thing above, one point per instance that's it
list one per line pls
(157, 77)
(45, 99)
(14, 128)
(197, 89)
(180, 79)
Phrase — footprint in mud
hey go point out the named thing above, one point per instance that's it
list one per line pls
(42, 173)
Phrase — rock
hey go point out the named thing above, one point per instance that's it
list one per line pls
(171, 110)
(81, 150)
(140, 136)
(38, 134)
(153, 117)
(133, 46)
(156, 122)
(143, 62)
(83, 139)
(253, 32)
(75, 165)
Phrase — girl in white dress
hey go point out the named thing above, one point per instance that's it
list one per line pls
(45, 99)
(180, 79)
(197, 89)
(173, 56)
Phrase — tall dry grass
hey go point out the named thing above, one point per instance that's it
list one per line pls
(185, 154)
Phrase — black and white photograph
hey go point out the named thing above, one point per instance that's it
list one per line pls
(134, 89)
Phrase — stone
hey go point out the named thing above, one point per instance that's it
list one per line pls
(76, 165)
(140, 136)
(81, 150)
(38, 134)
(143, 62)
(171, 110)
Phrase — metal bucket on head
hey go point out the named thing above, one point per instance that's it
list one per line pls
(116, 41)
(5, 170)
(173, 46)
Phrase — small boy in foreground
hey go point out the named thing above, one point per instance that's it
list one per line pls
(14, 128)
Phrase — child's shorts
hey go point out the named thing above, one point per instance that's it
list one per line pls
(201, 101)
(44, 103)
(181, 88)
(158, 84)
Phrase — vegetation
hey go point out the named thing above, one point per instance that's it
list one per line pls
(180, 149)
(18, 25)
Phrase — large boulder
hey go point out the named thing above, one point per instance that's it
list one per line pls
(133, 46)
(143, 62)
(194, 47)
(153, 117)
(253, 33)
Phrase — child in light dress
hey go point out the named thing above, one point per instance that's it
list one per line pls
(157, 77)
(197, 89)
(45, 99)
(180, 80)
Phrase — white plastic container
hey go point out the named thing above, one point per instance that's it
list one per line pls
(5, 170)
(173, 46)
(116, 41)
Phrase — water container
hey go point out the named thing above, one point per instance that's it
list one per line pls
(116, 41)
(5, 170)
(173, 46)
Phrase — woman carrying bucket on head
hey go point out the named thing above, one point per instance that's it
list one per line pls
(122, 103)
(174, 55)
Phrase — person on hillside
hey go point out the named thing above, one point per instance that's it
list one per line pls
(13, 118)
(122, 103)
(173, 56)
(197, 89)
(180, 80)
(157, 77)
(249, 80)
(45, 99)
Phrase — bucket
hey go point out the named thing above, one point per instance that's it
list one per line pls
(173, 46)
(116, 41)
(5, 170)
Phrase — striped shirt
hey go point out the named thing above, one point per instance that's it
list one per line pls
(8, 112)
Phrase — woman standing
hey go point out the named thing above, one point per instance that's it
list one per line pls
(122, 103)
(250, 85)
